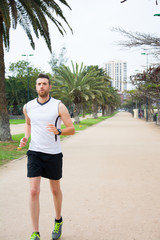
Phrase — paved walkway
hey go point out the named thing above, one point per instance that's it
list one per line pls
(111, 186)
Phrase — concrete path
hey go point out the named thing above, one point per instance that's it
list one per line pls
(17, 128)
(111, 186)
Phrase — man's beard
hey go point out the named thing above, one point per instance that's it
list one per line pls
(43, 94)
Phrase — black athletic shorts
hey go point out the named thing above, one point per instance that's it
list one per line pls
(44, 165)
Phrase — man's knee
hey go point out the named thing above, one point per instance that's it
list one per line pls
(35, 187)
(34, 192)
(55, 191)
(55, 188)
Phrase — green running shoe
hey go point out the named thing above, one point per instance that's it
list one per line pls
(57, 231)
(35, 236)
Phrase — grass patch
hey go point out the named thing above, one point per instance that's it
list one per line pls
(8, 150)
(16, 121)
(91, 121)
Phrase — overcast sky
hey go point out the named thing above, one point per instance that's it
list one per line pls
(92, 42)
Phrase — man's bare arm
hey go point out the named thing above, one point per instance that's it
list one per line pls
(64, 115)
(27, 128)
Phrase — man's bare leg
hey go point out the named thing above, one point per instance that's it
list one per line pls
(34, 202)
(57, 196)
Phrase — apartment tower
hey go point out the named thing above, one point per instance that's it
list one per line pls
(117, 71)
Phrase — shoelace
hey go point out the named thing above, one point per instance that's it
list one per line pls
(56, 228)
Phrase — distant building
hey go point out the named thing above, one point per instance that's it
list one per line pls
(117, 71)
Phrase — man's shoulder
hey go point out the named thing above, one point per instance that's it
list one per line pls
(31, 103)
(55, 100)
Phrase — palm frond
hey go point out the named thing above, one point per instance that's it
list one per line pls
(32, 15)
(4, 12)
(14, 18)
(6, 36)
(27, 30)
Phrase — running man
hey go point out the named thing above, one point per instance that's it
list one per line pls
(43, 121)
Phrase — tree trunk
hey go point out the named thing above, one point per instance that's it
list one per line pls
(76, 113)
(112, 110)
(15, 110)
(106, 110)
(4, 117)
(150, 113)
(103, 110)
(109, 110)
(95, 109)
(158, 116)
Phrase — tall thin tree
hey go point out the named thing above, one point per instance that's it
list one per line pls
(32, 15)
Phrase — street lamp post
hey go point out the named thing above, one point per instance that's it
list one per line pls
(27, 55)
(146, 97)
(146, 59)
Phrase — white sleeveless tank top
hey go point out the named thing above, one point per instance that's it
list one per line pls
(40, 115)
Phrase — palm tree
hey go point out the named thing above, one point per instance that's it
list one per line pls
(112, 101)
(30, 13)
(78, 85)
(98, 88)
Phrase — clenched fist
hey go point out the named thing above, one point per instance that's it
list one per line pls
(23, 142)
(51, 128)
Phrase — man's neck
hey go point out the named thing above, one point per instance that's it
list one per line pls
(43, 99)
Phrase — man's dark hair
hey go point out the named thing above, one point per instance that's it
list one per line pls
(42, 75)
